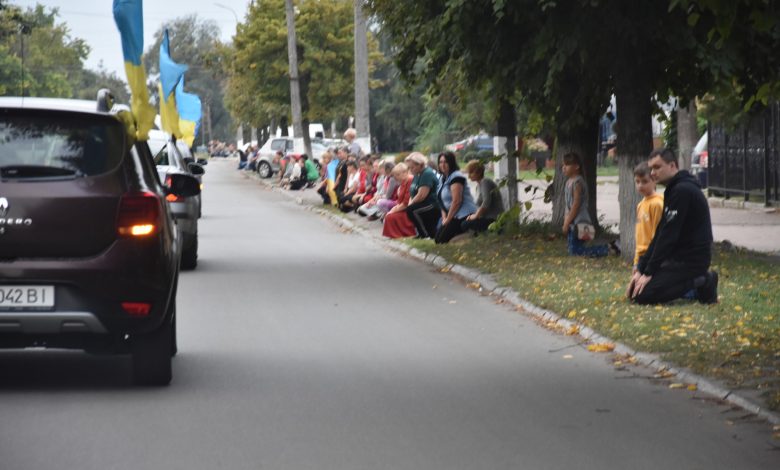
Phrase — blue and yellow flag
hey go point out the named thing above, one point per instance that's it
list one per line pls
(129, 18)
(171, 74)
(190, 111)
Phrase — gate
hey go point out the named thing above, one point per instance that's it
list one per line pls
(746, 162)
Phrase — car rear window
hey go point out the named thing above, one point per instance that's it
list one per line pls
(81, 144)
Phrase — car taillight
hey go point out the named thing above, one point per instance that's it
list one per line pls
(139, 214)
(171, 197)
(137, 309)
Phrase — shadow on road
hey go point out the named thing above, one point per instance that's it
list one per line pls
(58, 370)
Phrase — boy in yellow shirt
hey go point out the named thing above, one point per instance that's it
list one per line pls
(648, 211)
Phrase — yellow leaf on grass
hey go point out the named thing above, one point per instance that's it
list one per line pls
(601, 347)
(738, 308)
(572, 314)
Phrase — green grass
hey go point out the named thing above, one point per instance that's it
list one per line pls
(736, 340)
(526, 175)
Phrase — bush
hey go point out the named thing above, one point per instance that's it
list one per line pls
(485, 155)
(470, 155)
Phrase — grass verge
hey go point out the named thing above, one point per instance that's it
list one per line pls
(736, 340)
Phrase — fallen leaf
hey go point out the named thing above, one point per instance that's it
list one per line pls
(601, 347)
(572, 314)
(473, 285)
(738, 308)
(445, 269)
(692, 387)
(574, 330)
(676, 386)
(568, 356)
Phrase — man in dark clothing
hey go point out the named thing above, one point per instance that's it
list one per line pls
(677, 261)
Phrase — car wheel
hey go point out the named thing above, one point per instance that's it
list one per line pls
(174, 343)
(264, 170)
(152, 355)
(189, 257)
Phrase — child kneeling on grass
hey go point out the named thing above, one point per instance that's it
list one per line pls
(576, 195)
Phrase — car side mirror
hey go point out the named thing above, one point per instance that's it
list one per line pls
(196, 169)
(202, 162)
(183, 185)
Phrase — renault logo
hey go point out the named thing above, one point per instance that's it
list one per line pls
(3, 206)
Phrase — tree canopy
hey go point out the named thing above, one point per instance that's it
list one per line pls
(259, 89)
(195, 43)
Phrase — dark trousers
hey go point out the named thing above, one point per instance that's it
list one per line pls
(424, 216)
(298, 184)
(447, 232)
(672, 281)
(323, 192)
(477, 225)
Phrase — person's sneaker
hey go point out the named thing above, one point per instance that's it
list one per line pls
(614, 248)
(373, 217)
(708, 293)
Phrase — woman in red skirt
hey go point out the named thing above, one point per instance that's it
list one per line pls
(397, 223)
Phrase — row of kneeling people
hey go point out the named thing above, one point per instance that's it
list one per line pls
(410, 198)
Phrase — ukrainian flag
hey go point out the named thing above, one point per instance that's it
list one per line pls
(190, 110)
(129, 18)
(171, 74)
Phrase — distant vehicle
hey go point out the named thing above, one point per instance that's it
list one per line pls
(170, 159)
(90, 254)
(474, 143)
(700, 160)
(267, 164)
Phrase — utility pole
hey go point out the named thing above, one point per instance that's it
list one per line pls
(362, 124)
(295, 89)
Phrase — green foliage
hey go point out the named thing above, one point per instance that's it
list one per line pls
(53, 60)
(259, 88)
(195, 42)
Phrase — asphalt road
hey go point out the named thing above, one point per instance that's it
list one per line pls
(303, 347)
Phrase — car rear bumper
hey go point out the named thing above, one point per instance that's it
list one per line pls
(89, 292)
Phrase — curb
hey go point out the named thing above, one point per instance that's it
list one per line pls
(489, 286)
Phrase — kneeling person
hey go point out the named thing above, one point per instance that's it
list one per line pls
(677, 261)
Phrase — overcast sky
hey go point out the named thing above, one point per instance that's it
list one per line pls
(93, 21)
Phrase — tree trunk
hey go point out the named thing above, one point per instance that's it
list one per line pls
(507, 127)
(362, 124)
(295, 91)
(283, 126)
(687, 133)
(635, 141)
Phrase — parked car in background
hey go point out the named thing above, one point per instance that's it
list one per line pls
(169, 159)
(89, 250)
(267, 164)
(700, 160)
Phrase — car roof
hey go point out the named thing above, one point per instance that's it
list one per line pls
(60, 104)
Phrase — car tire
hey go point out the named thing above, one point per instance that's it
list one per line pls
(189, 256)
(152, 355)
(174, 343)
(264, 170)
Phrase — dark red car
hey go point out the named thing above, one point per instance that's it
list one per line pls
(89, 252)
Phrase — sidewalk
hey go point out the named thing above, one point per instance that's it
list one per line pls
(752, 228)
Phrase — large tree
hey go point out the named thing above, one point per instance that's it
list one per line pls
(259, 91)
(38, 56)
(195, 42)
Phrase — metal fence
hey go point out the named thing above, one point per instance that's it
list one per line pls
(746, 162)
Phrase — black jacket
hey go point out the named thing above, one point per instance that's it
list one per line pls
(684, 234)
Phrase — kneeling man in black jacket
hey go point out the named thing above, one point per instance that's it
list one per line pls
(677, 262)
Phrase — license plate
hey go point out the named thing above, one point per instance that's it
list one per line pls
(26, 296)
